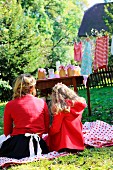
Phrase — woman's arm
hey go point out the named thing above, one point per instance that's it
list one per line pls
(8, 122)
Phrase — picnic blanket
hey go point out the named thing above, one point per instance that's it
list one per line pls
(5, 162)
(97, 134)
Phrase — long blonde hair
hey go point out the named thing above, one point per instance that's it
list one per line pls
(23, 85)
(61, 93)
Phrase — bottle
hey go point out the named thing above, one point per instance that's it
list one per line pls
(51, 73)
(57, 74)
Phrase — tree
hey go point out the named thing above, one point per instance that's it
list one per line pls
(64, 19)
(106, 1)
(19, 41)
(109, 23)
(37, 33)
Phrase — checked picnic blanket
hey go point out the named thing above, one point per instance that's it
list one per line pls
(97, 134)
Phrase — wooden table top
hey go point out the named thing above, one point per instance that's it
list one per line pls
(49, 83)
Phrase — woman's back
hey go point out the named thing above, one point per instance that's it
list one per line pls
(29, 115)
(26, 118)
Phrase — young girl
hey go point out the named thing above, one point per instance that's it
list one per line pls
(66, 130)
(26, 118)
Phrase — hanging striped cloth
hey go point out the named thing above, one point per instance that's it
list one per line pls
(101, 53)
(78, 51)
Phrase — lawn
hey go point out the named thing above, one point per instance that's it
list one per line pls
(90, 158)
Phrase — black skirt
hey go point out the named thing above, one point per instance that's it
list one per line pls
(18, 147)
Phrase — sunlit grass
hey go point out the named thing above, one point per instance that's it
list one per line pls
(101, 100)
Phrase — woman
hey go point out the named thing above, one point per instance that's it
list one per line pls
(26, 118)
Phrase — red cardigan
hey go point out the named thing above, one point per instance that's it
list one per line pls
(66, 129)
(27, 114)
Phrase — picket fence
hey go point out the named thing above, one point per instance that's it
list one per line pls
(103, 77)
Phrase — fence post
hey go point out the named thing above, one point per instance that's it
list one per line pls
(88, 95)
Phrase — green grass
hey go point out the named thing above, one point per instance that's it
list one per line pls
(101, 100)
(89, 159)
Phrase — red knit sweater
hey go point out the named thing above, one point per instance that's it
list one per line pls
(27, 114)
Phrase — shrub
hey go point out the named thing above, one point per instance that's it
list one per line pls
(5, 91)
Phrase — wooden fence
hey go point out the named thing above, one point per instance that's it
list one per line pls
(100, 79)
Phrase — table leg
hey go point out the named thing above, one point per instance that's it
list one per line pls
(74, 84)
(88, 96)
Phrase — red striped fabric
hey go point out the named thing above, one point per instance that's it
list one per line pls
(78, 51)
(101, 53)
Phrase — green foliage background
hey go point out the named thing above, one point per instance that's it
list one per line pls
(36, 33)
(109, 22)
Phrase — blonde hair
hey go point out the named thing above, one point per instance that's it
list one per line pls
(23, 85)
(61, 93)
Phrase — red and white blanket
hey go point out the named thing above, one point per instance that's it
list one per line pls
(98, 134)
(5, 162)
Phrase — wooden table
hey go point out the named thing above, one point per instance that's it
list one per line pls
(74, 81)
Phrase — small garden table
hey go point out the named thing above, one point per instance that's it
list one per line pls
(46, 84)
